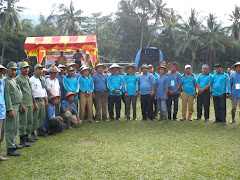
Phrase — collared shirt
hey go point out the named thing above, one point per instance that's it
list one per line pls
(26, 89)
(51, 111)
(155, 77)
(235, 83)
(220, 84)
(70, 85)
(38, 90)
(115, 83)
(162, 84)
(77, 56)
(100, 82)
(53, 85)
(62, 60)
(203, 81)
(188, 84)
(2, 100)
(65, 104)
(60, 80)
(145, 83)
(12, 92)
(77, 75)
(175, 80)
(86, 84)
(131, 84)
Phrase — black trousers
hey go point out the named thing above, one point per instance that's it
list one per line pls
(203, 100)
(128, 101)
(114, 100)
(147, 106)
(220, 107)
(155, 112)
(56, 125)
(172, 98)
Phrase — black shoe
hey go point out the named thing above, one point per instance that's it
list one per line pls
(128, 118)
(175, 119)
(23, 142)
(18, 147)
(215, 121)
(118, 119)
(33, 137)
(27, 139)
(41, 133)
(12, 152)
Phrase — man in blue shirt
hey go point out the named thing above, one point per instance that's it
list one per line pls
(175, 79)
(100, 92)
(3, 70)
(162, 87)
(146, 85)
(114, 84)
(86, 90)
(204, 81)
(188, 92)
(130, 89)
(220, 90)
(78, 57)
(60, 78)
(235, 89)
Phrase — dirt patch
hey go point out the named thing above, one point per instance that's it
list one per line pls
(88, 143)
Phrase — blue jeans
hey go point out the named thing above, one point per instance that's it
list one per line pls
(162, 105)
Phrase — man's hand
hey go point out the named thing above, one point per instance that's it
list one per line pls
(79, 122)
(228, 96)
(72, 109)
(136, 94)
(23, 107)
(152, 94)
(164, 97)
(89, 93)
(47, 104)
(211, 96)
(116, 91)
(93, 95)
(126, 94)
(155, 97)
(59, 117)
(195, 95)
(35, 105)
(11, 114)
(180, 95)
(171, 92)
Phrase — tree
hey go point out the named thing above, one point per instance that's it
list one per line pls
(9, 19)
(235, 19)
(190, 37)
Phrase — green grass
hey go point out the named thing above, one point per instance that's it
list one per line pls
(133, 150)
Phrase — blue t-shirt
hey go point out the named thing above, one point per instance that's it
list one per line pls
(100, 82)
(77, 57)
(162, 84)
(51, 112)
(203, 81)
(60, 80)
(220, 84)
(175, 80)
(145, 83)
(235, 83)
(65, 104)
(188, 84)
(131, 84)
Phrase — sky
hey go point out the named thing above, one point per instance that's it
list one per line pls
(218, 7)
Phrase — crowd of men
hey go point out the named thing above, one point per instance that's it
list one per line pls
(44, 105)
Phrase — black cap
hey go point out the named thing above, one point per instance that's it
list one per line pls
(217, 65)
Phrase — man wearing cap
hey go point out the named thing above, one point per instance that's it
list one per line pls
(146, 87)
(13, 98)
(220, 90)
(188, 92)
(131, 90)
(204, 81)
(69, 111)
(3, 70)
(235, 89)
(25, 117)
(114, 84)
(62, 59)
(100, 93)
(174, 89)
(41, 102)
(70, 83)
(53, 87)
(86, 87)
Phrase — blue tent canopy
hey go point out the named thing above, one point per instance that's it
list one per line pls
(148, 55)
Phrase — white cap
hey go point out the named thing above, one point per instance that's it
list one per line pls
(187, 66)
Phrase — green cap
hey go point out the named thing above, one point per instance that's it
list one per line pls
(23, 64)
(12, 65)
(37, 66)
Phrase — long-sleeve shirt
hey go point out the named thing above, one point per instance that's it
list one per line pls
(2, 100)
(86, 84)
(175, 80)
(115, 83)
(188, 84)
(220, 84)
(235, 83)
(100, 82)
(131, 84)
(162, 84)
(70, 85)
(145, 83)
(12, 93)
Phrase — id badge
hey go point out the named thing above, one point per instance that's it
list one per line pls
(172, 83)
(237, 86)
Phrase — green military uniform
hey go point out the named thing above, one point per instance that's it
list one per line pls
(13, 98)
(26, 118)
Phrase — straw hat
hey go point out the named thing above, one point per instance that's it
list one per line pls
(236, 64)
(159, 67)
(114, 66)
(173, 63)
(104, 66)
(85, 68)
(75, 65)
(53, 97)
(53, 69)
(45, 70)
(70, 93)
(61, 66)
(130, 65)
(144, 66)
(4, 70)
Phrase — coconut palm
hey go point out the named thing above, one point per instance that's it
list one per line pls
(235, 19)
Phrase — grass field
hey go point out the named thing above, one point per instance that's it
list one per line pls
(133, 150)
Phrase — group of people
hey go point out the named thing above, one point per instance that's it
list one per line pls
(44, 105)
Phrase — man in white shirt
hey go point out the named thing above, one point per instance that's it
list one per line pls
(40, 94)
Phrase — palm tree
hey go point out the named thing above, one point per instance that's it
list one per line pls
(215, 39)
(190, 37)
(235, 19)
(69, 21)
(9, 19)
